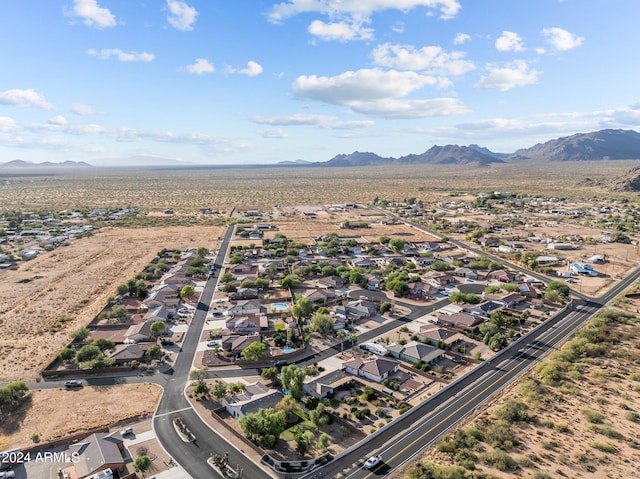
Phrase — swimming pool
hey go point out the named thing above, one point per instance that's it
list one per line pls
(287, 350)
(280, 306)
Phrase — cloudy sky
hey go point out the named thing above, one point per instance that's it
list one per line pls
(261, 81)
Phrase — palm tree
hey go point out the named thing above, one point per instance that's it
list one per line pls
(341, 334)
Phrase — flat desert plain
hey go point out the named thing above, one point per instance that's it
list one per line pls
(51, 296)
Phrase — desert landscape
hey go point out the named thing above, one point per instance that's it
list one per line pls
(47, 298)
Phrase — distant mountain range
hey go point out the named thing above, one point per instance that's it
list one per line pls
(45, 164)
(598, 145)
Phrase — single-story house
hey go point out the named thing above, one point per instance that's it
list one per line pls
(255, 396)
(416, 352)
(360, 309)
(375, 369)
(322, 386)
(99, 452)
(125, 353)
(330, 282)
(463, 321)
(465, 272)
(503, 276)
(236, 343)
(435, 335)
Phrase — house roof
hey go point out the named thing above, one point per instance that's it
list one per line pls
(436, 333)
(129, 352)
(464, 320)
(376, 366)
(96, 451)
(416, 350)
(256, 396)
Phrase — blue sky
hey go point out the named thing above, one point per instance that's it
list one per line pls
(261, 81)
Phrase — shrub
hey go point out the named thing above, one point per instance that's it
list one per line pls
(500, 460)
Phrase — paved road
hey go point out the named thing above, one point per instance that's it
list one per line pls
(193, 456)
(414, 431)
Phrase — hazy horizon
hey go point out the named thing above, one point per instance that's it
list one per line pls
(208, 82)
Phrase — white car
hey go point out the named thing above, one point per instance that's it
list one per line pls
(213, 344)
(373, 461)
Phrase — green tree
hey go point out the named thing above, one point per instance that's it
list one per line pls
(396, 244)
(560, 286)
(122, 289)
(270, 374)
(292, 380)
(341, 335)
(80, 334)
(290, 280)
(157, 327)
(142, 464)
(154, 352)
(255, 351)
(227, 278)
(321, 323)
(220, 390)
(187, 292)
(67, 354)
(265, 425)
(302, 308)
(88, 352)
(323, 441)
(202, 252)
(11, 395)
(103, 343)
(356, 276)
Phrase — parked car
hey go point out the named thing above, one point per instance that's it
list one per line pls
(281, 362)
(373, 461)
(213, 344)
(7, 474)
(128, 431)
(74, 383)
(167, 342)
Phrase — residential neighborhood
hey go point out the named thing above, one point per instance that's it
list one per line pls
(397, 313)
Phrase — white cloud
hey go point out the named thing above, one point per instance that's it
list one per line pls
(253, 69)
(357, 9)
(91, 13)
(429, 59)
(460, 38)
(326, 122)
(122, 56)
(276, 133)
(560, 39)
(200, 67)
(28, 97)
(509, 42)
(181, 16)
(7, 124)
(295, 120)
(505, 78)
(58, 120)
(407, 109)
(360, 85)
(341, 31)
(83, 110)
(398, 27)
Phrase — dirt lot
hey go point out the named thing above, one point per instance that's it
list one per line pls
(54, 294)
(53, 413)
